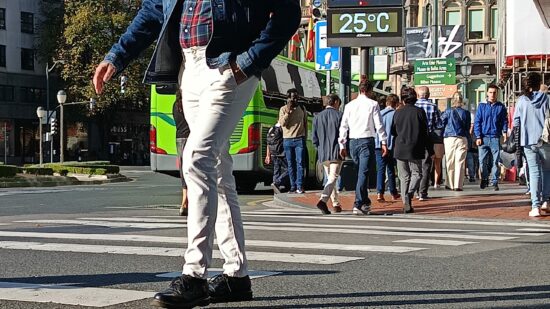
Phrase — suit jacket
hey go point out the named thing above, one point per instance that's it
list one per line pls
(325, 134)
(410, 129)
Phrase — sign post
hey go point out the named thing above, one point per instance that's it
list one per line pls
(438, 74)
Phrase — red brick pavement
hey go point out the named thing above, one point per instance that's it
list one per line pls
(493, 206)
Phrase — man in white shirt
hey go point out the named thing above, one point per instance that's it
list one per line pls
(360, 124)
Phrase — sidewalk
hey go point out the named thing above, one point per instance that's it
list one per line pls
(510, 203)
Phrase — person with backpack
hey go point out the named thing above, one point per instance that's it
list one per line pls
(325, 138)
(386, 165)
(456, 122)
(275, 155)
(293, 120)
(532, 116)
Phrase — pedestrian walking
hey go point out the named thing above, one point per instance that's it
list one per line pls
(325, 138)
(472, 158)
(360, 123)
(491, 122)
(182, 133)
(275, 155)
(386, 164)
(434, 124)
(293, 120)
(217, 62)
(530, 116)
(456, 122)
(412, 143)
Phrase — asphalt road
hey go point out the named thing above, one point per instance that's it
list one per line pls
(107, 245)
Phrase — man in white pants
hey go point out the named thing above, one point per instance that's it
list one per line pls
(216, 50)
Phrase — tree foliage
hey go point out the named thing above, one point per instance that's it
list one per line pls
(89, 29)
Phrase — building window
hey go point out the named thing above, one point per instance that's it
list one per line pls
(27, 59)
(2, 18)
(32, 95)
(452, 18)
(27, 22)
(494, 23)
(427, 20)
(475, 24)
(3, 56)
(7, 93)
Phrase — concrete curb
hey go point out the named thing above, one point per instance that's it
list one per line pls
(54, 181)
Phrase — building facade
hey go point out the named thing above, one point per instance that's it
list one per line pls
(22, 81)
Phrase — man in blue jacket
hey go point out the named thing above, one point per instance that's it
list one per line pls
(491, 122)
(216, 50)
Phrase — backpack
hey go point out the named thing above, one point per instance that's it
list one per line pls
(545, 137)
(275, 140)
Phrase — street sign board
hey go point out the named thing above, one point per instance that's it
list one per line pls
(365, 26)
(435, 65)
(326, 57)
(442, 91)
(441, 78)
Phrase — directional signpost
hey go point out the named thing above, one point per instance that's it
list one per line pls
(438, 74)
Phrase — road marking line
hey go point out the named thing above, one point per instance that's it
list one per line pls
(182, 240)
(544, 231)
(440, 242)
(68, 295)
(175, 252)
(254, 274)
(107, 224)
(256, 202)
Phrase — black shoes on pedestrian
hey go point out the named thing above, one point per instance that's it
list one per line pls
(323, 207)
(495, 187)
(223, 289)
(483, 184)
(184, 292)
(188, 292)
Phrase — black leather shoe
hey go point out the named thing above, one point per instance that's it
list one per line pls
(408, 211)
(483, 184)
(495, 187)
(184, 292)
(224, 289)
(323, 207)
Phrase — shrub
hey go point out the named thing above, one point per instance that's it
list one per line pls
(43, 171)
(84, 169)
(8, 170)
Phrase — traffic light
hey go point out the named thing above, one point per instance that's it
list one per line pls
(53, 126)
(123, 81)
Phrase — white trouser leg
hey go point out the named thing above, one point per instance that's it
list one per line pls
(332, 171)
(213, 105)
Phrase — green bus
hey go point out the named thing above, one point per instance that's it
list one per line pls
(248, 140)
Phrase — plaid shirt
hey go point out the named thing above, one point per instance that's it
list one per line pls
(433, 114)
(196, 23)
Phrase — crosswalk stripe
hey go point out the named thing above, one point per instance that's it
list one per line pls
(545, 231)
(164, 251)
(182, 240)
(69, 295)
(439, 242)
(267, 226)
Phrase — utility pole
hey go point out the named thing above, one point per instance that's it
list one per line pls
(61, 135)
(345, 74)
(5, 142)
(435, 34)
(364, 62)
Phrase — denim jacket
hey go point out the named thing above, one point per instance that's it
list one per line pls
(491, 120)
(243, 31)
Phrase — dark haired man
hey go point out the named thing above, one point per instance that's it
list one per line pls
(293, 120)
(491, 122)
(325, 137)
(386, 165)
(215, 50)
(360, 124)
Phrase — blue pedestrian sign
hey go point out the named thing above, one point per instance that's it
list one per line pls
(326, 58)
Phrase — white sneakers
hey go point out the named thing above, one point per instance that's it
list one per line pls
(535, 212)
(544, 206)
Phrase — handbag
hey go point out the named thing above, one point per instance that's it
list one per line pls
(511, 144)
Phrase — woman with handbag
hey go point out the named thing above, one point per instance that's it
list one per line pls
(456, 122)
(531, 115)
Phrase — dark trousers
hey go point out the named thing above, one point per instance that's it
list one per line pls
(280, 171)
(362, 152)
(384, 164)
(426, 170)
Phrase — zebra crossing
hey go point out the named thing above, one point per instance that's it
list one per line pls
(274, 235)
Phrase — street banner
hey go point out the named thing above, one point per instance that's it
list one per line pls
(418, 42)
(442, 91)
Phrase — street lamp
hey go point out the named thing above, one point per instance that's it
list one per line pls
(48, 70)
(466, 70)
(61, 98)
(41, 113)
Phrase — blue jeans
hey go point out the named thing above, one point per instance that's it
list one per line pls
(489, 157)
(294, 152)
(384, 164)
(362, 152)
(280, 171)
(471, 160)
(538, 160)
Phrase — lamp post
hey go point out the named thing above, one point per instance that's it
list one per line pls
(466, 70)
(61, 98)
(41, 113)
(48, 70)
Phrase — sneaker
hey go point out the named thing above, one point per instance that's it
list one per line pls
(544, 206)
(275, 188)
(472, 180)
(292, 191)
(436, 186)
(323, 208)
(184, 292)
(396, 196)
(423, 198)
(495, 187)
(337, 208)
(380, 197)
(183, 211)
(357, 211)
(223, 288)
(535, 212)
(300, 191)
